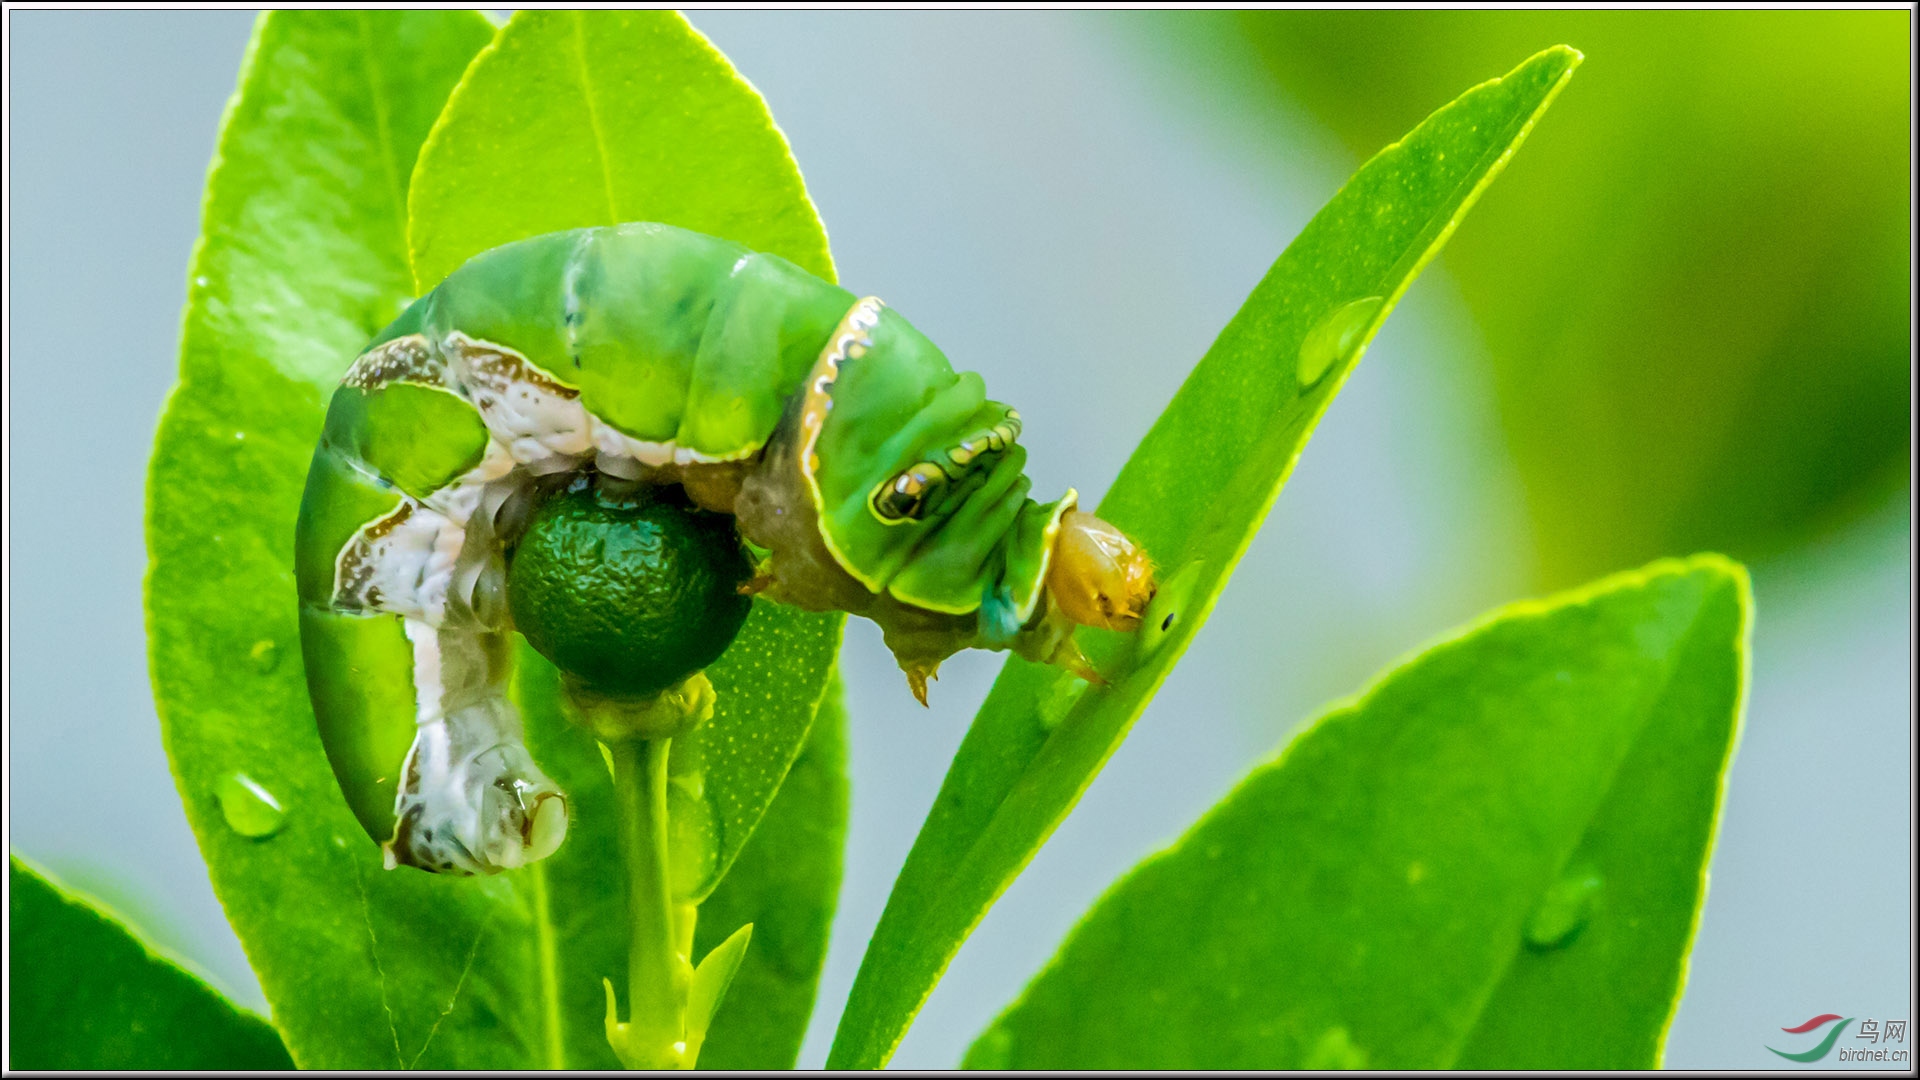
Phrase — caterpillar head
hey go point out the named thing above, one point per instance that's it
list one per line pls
(472, 802)
(1097, 576)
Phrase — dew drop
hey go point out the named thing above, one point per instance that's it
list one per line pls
(250, 810)
(1336, 335)
(264, 656)
(1564, 909)
(1165, 611)
(201, 281)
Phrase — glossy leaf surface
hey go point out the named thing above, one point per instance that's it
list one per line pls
(303, 257)
(1193, 494)
(1494, 858)
(786, 883)
(85, 992)
(1713, 349)
(594, 118)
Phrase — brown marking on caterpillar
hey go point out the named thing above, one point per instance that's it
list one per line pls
(404, 359)
(498, 368)
(359, 560)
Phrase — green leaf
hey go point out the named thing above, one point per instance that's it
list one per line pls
(786, 884)
(84, 992)
(594, 118)
(591, 118)
(303, 258)
(712, 979)
(1193, 494)
(1730, 200)
(1492, 859)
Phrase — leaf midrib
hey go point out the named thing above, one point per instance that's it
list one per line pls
(555, 1041)
(1649, 708)
(383, 131)
(593, 117)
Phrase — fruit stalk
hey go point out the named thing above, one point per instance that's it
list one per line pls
(659, 974)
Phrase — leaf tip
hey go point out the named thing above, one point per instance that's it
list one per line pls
(1553, 66)
(1730, 571)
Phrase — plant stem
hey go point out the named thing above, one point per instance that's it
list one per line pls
(658, 975)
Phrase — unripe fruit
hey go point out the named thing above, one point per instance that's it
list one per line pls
(628, 595)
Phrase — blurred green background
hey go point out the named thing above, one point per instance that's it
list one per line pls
(1679, 321)
(1696, 306)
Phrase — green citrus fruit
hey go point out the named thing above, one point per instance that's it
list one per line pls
(631, 596)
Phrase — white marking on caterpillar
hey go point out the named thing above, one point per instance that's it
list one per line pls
(850, 341)
(623, 455)
(404, 359)
(626, 452)
(401, 563)
(539, 419)
(470, 489)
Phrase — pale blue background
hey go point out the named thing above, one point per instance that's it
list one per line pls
(1070, 216)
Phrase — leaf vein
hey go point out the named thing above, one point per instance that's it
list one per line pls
(382, 124)
(593, 116)
(549, 969)
(373, 950)
(459, 984)
(1653, 701)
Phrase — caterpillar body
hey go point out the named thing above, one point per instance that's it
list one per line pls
(876, 480)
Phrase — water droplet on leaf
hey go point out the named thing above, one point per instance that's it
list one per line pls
(1564, 909)
(250, 809)
(264, 656)
(1334, 337)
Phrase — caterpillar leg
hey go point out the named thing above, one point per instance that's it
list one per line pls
(918, 672)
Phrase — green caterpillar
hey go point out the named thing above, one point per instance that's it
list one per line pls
(878, 481)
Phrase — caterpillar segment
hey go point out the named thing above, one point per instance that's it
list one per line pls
(871, 477)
